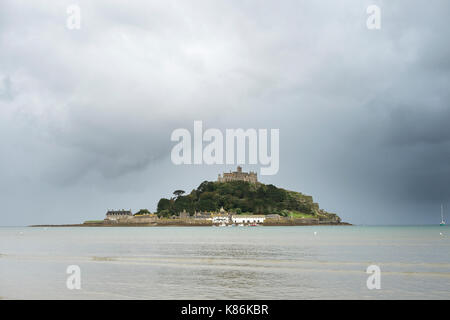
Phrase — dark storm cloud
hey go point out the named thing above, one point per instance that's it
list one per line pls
(86, 115)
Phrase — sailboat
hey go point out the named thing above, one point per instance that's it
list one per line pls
(442, 216)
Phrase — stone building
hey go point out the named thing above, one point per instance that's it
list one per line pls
(238, 176)
(222, 213)
(184, 214)
(203, 215)
(118, 214)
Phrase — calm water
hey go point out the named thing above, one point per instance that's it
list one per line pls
(225, 263)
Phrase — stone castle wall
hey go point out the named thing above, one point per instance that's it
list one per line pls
(238, 176)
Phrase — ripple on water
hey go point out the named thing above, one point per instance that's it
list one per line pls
(95, 258)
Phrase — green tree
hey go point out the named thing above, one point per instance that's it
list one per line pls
(164, 204)
(142, 211)
(164, 213)
(178, 193)
(183, 203)
(238, 196)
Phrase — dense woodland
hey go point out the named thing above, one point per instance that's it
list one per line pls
(238, 197)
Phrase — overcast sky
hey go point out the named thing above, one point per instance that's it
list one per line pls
(86, 115)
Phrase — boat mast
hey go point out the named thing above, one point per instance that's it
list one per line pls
(442, 213)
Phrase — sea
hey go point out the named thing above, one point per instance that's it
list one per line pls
(298, 262)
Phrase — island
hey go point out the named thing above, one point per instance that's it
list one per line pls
(235, 199)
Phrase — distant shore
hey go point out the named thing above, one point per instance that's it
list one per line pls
(181, 224)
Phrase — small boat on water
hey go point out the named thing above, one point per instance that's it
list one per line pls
(442, 216)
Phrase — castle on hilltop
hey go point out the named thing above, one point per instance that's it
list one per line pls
(238, 176)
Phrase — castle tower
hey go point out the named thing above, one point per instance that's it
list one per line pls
(238, 175)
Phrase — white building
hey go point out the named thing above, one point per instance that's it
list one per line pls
(248, 219)
(220, 219)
